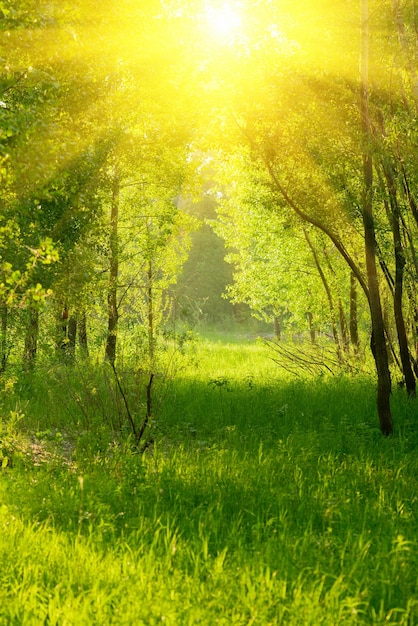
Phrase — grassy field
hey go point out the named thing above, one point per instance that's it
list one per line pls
(262, 500)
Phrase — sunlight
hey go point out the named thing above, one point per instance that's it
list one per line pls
(224, 20)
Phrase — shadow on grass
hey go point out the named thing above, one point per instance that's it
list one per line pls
(234, 455)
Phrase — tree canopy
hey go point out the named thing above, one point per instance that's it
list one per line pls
(114, 117)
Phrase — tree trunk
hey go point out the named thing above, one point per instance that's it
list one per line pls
(344, 327)
(62, 328)
(408, 193)
(414, 326)
(399, 317)
(4, 352)
(150, 305)
(312, 332)
(378, 333)
(31, 338)
(412, 294)
(329, 296)
(113, 314)
(354, 338)
(398, 291)
(345, 339)
(395, 219)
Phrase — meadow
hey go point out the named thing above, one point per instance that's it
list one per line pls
(262, 499)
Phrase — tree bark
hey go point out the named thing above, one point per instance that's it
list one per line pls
(113, 314)
(354, 338)
(399, 317)
(378, 332)
(329, 296)
(344, 327)
(150, 305)
(345, 338)
(4, 352)
(398, 291)
(408, 193)
(61, 331)
(312, 332)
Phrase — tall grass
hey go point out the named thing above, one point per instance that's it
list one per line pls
(263, 500)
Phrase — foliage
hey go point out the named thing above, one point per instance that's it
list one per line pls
(260, 499)
(274, 271)
(13, 445)
(198, 296)
(158, 238)
(19, 286)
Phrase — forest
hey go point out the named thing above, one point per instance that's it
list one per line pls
(208, 312)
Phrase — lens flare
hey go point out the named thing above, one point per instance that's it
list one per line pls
(224, 20)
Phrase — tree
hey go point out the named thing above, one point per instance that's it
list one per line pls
(72, 105)
(315, 136)
(153, 242)
(200, 290)
(285, 273)
(112, 294)
(378, 330)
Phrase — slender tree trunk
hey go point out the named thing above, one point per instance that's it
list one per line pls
(61, 332)
(4, 352)
(344, 327)
(150, 304)
(399, 317)
(411, 292)
(113, 314)
(408, 192)
(354, 338)
(394, 215)
(329, 296)
(398, 291)
(31, 338)
(414, 325)
(345, 339)
(378, 333)
(392, 357)
(312, 332)
(410, 247)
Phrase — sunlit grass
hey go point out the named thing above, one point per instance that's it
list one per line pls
(262, 501)
(238, 359)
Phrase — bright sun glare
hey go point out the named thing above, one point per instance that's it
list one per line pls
(224, 20)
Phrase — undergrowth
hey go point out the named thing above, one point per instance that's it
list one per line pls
(261, 500)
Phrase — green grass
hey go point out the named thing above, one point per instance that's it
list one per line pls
(262, 501)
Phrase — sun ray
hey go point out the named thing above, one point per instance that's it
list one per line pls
(224, 20)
